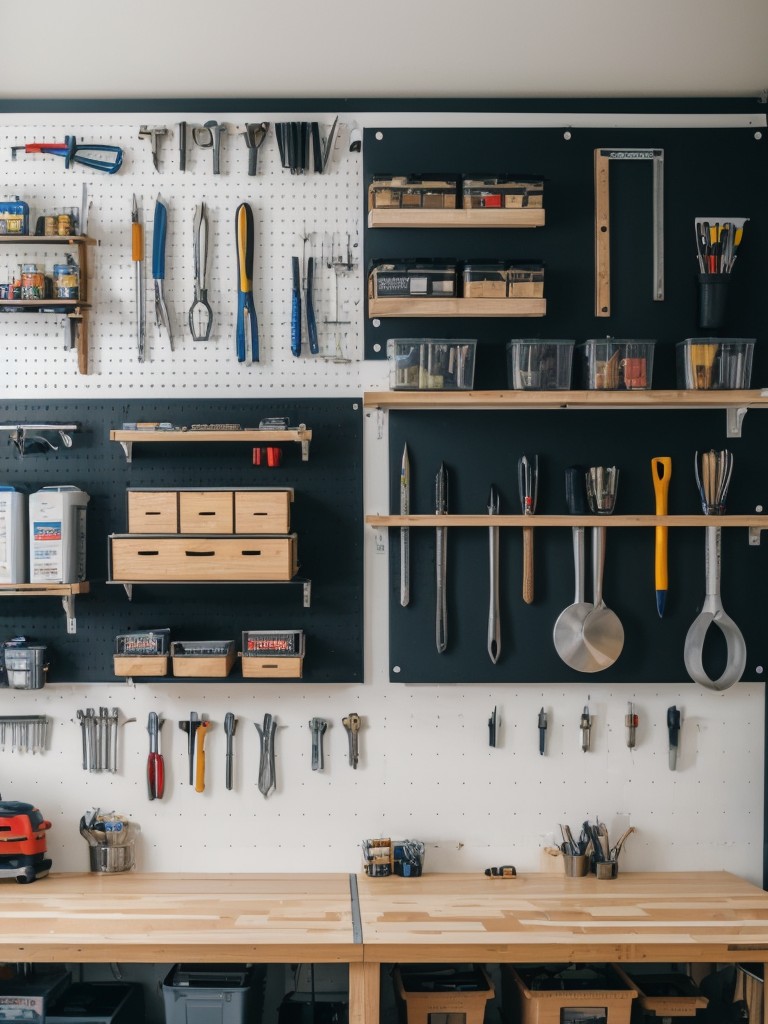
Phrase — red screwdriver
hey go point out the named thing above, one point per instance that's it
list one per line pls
(155, 766)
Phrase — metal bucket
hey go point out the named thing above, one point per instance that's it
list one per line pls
(112, 858)
(25, 667)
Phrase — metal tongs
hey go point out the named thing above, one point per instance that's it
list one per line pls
(267, 758)
(528, 482)
(200, 312)
(713, 479)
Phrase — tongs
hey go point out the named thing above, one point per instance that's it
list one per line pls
(267, 781)
(528, 482)
(200, 312)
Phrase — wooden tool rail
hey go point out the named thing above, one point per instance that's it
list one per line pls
(127, 438)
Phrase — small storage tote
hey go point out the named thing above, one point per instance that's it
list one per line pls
(565, 994)
(714, 364)
(536, 364)
(213, 993)
(618, 364)
(430, 992)
(430, 364)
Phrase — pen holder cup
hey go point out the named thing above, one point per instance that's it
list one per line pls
(602, 485)
(605, 869)
(575, 865)
(713, 293)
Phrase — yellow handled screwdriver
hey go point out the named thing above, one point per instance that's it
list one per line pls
(661, 469)
(137, 255)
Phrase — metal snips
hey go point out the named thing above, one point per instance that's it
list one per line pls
(200, 312)
(267, 780)
(247, 325)
(159, 235)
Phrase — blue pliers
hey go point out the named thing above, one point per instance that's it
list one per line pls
(247, 325)
(70, 150)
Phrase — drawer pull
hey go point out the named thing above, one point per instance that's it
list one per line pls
(265, 664)
(206, 513)
(155, 512)
(247, 552)
(147, 552)
(199, 554)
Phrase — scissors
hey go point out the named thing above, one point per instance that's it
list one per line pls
(246, 311)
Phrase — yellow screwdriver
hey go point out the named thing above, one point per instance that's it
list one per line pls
(137, 255)
(661, 469)
(200, 735)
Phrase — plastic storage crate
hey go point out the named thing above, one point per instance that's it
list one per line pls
(565, 994)
(213, 993)
(98, 1002)
(431, 992)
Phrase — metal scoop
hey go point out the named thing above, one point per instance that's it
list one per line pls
(568, 633)
(200, 312)
(603, 631)
(713, 481)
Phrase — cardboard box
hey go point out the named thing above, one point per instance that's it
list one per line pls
(13, 535)
(57, 534)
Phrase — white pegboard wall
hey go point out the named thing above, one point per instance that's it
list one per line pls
(426, 771)
(324, 208)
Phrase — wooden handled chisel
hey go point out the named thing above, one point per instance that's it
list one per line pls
(137, 255)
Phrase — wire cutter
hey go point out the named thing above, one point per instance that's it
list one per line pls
(247, 325)
(155, 765)
(70, 150)
(158, 267)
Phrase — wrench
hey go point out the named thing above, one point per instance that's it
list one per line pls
(352, 725)
(318, 727)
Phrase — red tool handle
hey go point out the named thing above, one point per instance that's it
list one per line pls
(155, 776)
(44, 147)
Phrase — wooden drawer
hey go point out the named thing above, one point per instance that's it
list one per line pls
(205, 512)
(272, 668)
(140, 664)
(202, 558)
(153, 512)
(263, 511)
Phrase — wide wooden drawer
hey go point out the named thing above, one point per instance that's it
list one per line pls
(203, 558)
(153, 511)
(263, 511)
(206, 512)
(272, 668)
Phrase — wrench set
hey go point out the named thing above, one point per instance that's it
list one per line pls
(24, 733)
(99, 734)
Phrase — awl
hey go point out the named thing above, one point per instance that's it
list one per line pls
(661, 468)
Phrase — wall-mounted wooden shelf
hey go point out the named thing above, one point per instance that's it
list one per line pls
(735, 403)
(66, 591)
(410, 307)
(421, 218)
(127, 438)
(305, 584)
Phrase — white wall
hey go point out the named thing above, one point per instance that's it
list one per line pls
(400, 48)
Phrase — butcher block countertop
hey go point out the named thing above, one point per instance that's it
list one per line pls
(654, 916)
(162, 918)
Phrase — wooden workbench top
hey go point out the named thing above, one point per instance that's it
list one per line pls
(658, 916)
(161, 918)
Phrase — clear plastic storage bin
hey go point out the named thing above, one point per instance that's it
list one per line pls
(426, 364)
(617, 364)
(712, 364)
(536, 364)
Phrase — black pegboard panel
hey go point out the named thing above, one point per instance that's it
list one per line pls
(708, 171)
(481, 448)
(326, 515)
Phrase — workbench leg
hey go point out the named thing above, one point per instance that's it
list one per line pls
(364, 995)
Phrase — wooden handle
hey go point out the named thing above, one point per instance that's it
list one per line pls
(528, 564)
(137, 242)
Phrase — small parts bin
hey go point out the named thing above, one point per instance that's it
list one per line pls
(664, 995)
(98, 1002)
(431, 992)
(213, 993)
(566, 994)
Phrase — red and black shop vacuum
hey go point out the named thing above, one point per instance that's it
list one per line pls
(22, 842)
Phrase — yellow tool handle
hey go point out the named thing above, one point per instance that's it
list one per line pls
(243, 254)
(202, 729)
(137, 242)
(661, 469)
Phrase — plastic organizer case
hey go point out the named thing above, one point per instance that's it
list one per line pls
(617, 364)
(430, 364)
(536, 364)
(713, 364)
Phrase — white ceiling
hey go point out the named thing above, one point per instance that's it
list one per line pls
(393, 48)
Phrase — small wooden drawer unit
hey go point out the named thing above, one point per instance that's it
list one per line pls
(263, 511)
(214, 559)
(140, 664)
(206, 512)
(153, 511)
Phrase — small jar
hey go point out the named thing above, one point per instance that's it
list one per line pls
(49, 225)
(32, 282)
(63, 224)
(66, 281)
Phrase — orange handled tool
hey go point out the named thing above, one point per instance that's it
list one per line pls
(200, 735)
(137, 255)
(661, 469)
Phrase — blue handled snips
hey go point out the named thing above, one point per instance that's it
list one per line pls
(158, 267)
(73, 154)
(247, 325)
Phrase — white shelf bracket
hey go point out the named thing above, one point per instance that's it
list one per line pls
(128, 588)
(733, 421)
(754, 535)
(68, 600)
(127, 447)
(306, 588)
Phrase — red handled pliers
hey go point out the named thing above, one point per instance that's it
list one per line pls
(155, 766)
